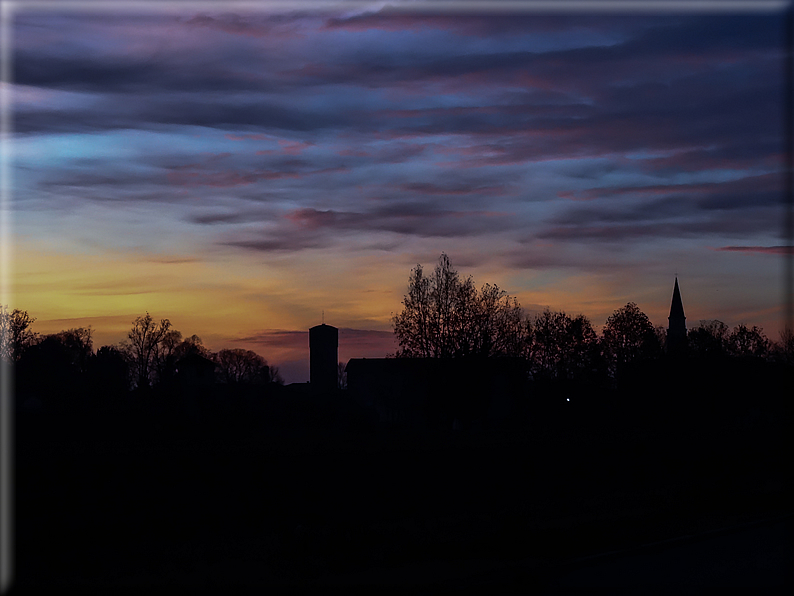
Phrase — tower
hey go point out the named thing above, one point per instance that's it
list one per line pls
(323, 357)
(676, 331)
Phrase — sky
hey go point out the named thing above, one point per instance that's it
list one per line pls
(249, 174)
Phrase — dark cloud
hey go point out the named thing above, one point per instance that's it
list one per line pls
(312, 228)
(663, 199)
(671, 211)
(428, 188)
(219, 218)
(278, 338)
(632, 231)
(249, 25)
(768, 250)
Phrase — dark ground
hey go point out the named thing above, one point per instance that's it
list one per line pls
(254, 500)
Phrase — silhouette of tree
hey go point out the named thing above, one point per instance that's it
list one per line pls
(560, 347)
(444, 317)
(629, 336)
(494, 325)
(79, 345)
(274, 376)
(744, 342)
(341, 375)
(661, 334)
(418, 326)
(110, 371)
(708, 339)
(164, 358)
(55, 367)
(238, 366)
(142, 346)
(192, 345)
(784, 350)
(15, 333)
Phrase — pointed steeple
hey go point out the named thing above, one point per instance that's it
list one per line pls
(676, 331)
(677, 307)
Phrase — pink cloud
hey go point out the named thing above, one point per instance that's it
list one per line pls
(769, 250)
(311, 218)
(293, 147)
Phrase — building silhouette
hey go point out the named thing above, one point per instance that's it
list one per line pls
(323, 357)
(676, 330)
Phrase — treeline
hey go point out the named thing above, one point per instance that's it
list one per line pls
(445, 316)
(154, 356)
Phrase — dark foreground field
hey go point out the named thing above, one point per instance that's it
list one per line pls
(128, 500)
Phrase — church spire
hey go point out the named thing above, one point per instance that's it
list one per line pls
(676, 331)
(677, 307)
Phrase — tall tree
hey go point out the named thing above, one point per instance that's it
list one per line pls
(413, 326)
(15, 333)
(445, 317)
(708, 339)
(747, 342)
(142, 345)
(164, 358)
(560, 346)
(784, 350)
(629, 336)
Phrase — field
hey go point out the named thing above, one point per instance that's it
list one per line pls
(131, 500)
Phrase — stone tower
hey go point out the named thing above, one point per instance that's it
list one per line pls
(676, 331)
(323, 352)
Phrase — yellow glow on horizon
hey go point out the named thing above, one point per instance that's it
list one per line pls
(219, 300)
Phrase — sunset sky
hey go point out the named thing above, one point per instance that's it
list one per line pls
(240, 172)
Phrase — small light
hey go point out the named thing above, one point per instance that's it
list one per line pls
(567, 399)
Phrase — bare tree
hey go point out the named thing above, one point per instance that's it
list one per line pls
(414, 326)
(274, 376)
(15, 333)
(165, 354)
(745, 342)
(629, 336)
(560, 346)
(444, 317)
(708, 338)
(784, 350)
(242, 366)
(79, 343)
(143, 345)
(192, 345)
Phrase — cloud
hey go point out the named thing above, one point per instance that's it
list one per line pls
(428, 188)
(313, 228)
(277, 26)
(278, 338)
(769, 250)
(749, 192)
(629, 213)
